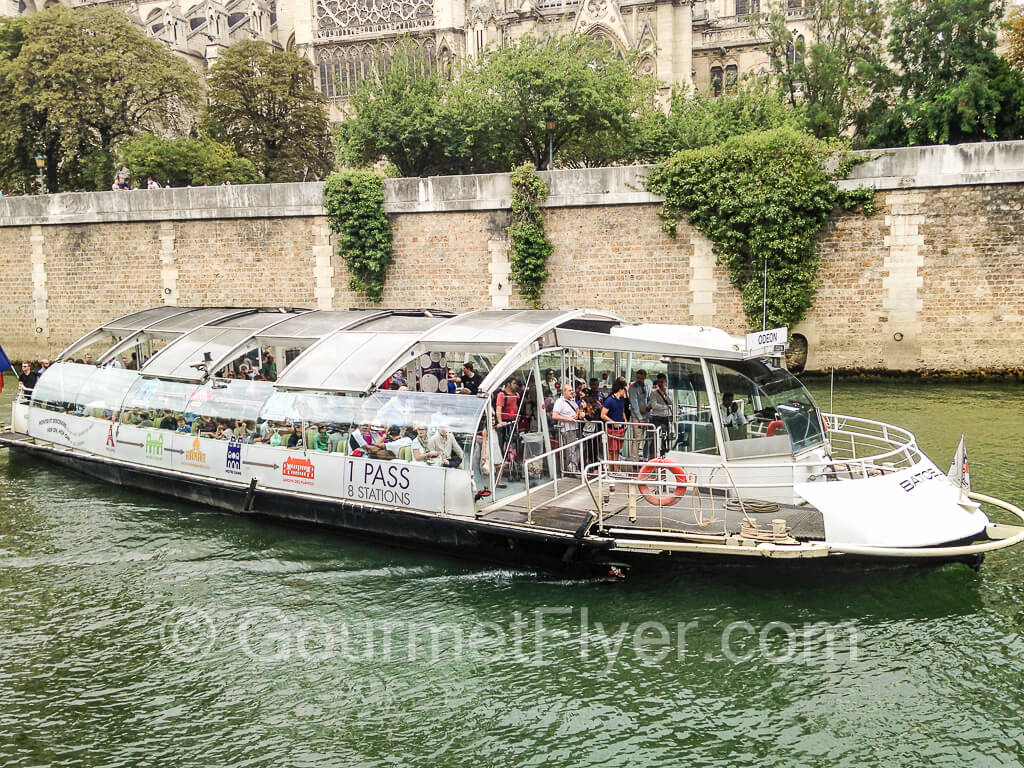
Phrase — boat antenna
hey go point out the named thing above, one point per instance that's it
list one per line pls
(831, 387)
(764, 298)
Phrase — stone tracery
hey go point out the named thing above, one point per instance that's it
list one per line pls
(341, 18)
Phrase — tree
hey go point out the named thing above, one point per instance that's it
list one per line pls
(698, 120)
(419, 118)
(264, 103)
(75, 83)
(1014, 28)
(946, 84)
(181, 162)
(829, 75)
(584, 84)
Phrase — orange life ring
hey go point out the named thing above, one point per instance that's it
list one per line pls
(772, 426)
(649, 470)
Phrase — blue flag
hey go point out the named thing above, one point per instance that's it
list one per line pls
(4, 365)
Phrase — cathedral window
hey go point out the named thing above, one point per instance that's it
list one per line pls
(716, 81)
(732, 77)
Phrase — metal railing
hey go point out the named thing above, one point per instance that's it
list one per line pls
(871, 443)
(557, 455)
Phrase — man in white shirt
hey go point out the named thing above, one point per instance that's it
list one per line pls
(732, 413)
(566, 415)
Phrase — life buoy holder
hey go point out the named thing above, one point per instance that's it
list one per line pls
(650, 469)
(772, 427)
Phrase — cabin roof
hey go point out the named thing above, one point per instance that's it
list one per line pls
(354, 350)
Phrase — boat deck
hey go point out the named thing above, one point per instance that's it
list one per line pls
(695, 513)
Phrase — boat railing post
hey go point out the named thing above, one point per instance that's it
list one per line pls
(526, 480)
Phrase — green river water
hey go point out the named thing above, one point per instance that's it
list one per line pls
(137, 631)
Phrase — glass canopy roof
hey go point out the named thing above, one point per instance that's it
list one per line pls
(344, 351)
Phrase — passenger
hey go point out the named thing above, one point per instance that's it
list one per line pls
(661, 409)
(43, 365)
(183, 428)
(269, 367)
(359, 440)
(421, 449)
(88, 359)
(613, 414)
(322, 442)
(566, 414)
(295, 438)
(220, 434)
(393, 441)
(262, 431)
(506, 413)
(454, 381)
(446, 448)
(207, 427)
(276, 438)
(337, 437)
(639, 393)
(471, 380)
(595, 390)
(27, 379)
(144, 421)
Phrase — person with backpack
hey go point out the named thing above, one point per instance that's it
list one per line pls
(506, 412)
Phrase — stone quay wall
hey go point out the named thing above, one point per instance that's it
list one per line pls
(934, 281)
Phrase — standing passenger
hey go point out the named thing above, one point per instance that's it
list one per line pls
(613, 414)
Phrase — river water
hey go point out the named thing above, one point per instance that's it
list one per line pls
(140, 631)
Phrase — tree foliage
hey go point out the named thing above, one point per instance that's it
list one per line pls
(529, 247)
(1014, 32)
(182, 162)
(945, 83)
(828, 72)
(698, 120)
(419, 118)
(354, 201)
(491, 115)
(760, 198)
(75, 82)
(264, 103)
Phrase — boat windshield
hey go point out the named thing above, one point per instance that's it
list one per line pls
(758, 399)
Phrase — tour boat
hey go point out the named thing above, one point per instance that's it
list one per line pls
(736, 462)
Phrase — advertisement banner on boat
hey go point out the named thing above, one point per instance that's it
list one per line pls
(394, 484)
(61, 428)
(768, 342)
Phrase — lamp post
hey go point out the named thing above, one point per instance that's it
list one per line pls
(550, 124)
(40, 164)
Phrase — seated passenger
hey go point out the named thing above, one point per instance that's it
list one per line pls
(336, 438)
(322, 442)
(393, 441)
(207, 427)
(421, 449)
(295, 438)
(144, 420)
(276, 438)
(183, 428)
(444, 446)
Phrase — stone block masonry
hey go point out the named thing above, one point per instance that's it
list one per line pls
(933, 281)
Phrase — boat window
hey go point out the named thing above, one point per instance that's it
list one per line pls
(692, 428)
(760, 404)
(103, 393)
(233, 406)
(299, 415)
(59, 387)
(156, 403)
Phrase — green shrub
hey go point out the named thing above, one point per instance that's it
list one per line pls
(183, 162)
(760, 197)
(529, 244)
(355, 210)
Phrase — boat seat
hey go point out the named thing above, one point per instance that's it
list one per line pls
(405, 453)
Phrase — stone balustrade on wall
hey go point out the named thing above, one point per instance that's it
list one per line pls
(932, 281)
